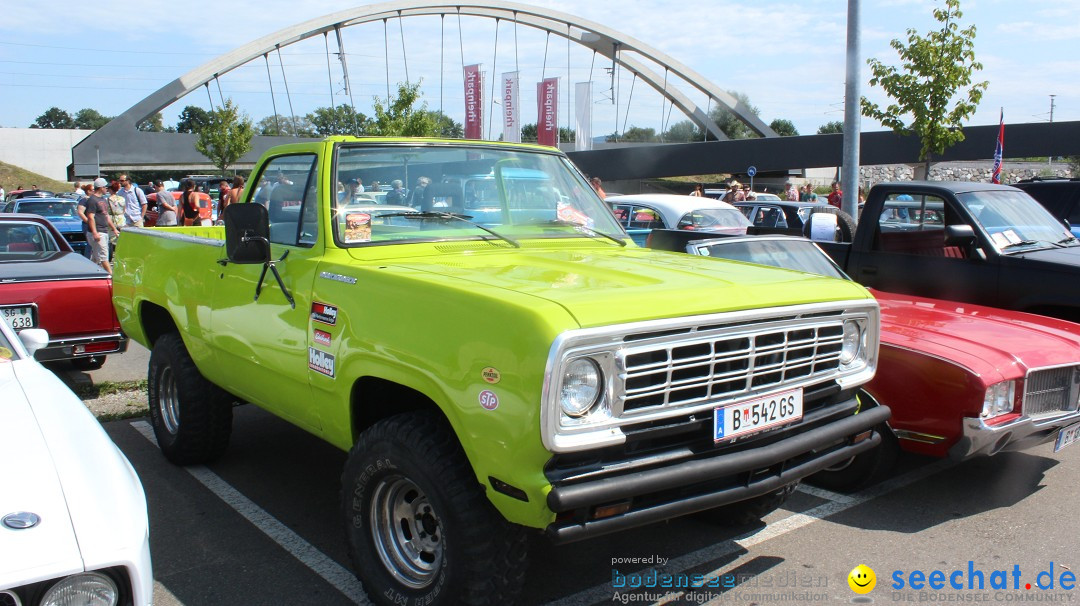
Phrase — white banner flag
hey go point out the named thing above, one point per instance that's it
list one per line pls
(583, 115)
(510, 113)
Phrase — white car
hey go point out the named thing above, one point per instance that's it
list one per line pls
(73, 521)
(641, 213)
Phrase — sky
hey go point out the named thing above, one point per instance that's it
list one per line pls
(788, 57)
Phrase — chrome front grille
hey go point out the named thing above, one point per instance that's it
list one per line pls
(1051, 392)
(692, 370)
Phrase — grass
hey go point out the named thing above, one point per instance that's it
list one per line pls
(12, 176)
(106, 388)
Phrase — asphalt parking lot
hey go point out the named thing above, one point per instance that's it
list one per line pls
(261, 526)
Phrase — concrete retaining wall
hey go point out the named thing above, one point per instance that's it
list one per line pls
(46, 151)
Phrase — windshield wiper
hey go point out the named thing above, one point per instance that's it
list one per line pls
(1068, 240)
(1029, 243)
(588, 230)
(438, 215)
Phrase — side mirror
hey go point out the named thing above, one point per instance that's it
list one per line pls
(34, 339)
(247, 234)
(959, 235)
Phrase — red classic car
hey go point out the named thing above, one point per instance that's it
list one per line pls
(206, 207)
(43, 284)
(962, 380)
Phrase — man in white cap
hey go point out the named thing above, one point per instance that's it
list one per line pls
(99, 224)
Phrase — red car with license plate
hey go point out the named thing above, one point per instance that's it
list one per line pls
(44, 284)
(961, 380)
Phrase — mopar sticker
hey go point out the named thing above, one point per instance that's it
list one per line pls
(491, 375)
(320, 362)
(337, 277)
(489, 400)
(323, 313)
(322, 337)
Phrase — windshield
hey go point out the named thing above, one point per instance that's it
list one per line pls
(7, 351)
(714, 219)
(797, 254)
(49, 209)
(1013, 219)
(426, 190)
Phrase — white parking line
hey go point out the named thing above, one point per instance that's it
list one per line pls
(775, 529)
(334, 573)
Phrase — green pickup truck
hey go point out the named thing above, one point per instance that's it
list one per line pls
(530, 370)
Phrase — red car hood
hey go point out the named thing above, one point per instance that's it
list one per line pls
(986, 340)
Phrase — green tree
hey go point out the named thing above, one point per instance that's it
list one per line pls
(90, 119)
(446, 127)
(638, 134)
(54, 117)
(936, 68)
(340, 120)
(226, 136)
(684, 131)
(155, 124)
(529, 134)
(728, 122)
(283, 126)
(784, 128)
(192, 119)
(836, 127)
(399, 117)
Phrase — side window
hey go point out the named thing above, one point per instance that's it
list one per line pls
(286, 187)
(914, 224)
(643, 217)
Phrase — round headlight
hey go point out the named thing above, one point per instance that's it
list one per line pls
(580, 387)
(89, 589)
(852, 342)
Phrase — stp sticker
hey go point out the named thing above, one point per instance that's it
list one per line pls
(321, 362)
(322, 337)
(489, 400)
(491, 375)
(323, 313)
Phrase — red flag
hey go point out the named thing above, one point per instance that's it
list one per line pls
(547, 120)
(474, 102)
(999, 150)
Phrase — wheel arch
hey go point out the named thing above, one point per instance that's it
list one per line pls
(373, 399)
(156, 321)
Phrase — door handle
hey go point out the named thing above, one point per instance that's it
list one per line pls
(869, 271)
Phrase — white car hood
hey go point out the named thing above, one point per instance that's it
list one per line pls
(59, 463)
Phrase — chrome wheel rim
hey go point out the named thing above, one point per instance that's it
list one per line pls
(169, 402)
(407, 533)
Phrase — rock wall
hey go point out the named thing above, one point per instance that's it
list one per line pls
(1011, 172)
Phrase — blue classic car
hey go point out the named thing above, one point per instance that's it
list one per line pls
(60, 212)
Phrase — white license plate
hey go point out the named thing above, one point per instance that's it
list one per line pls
(19, 317)
(753, 416)
(1067, 436)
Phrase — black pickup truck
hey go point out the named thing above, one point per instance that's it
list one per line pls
(971, 242)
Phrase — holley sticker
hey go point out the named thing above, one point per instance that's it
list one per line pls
(323, 313)
(321, 362)
(322, 337)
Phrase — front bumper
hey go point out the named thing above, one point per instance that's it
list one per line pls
(706, 480)
(981, 439)
(82, 347)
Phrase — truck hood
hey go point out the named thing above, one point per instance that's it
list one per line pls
(602, 286)
(30, 484)
(983, 339)
(1057, 256)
